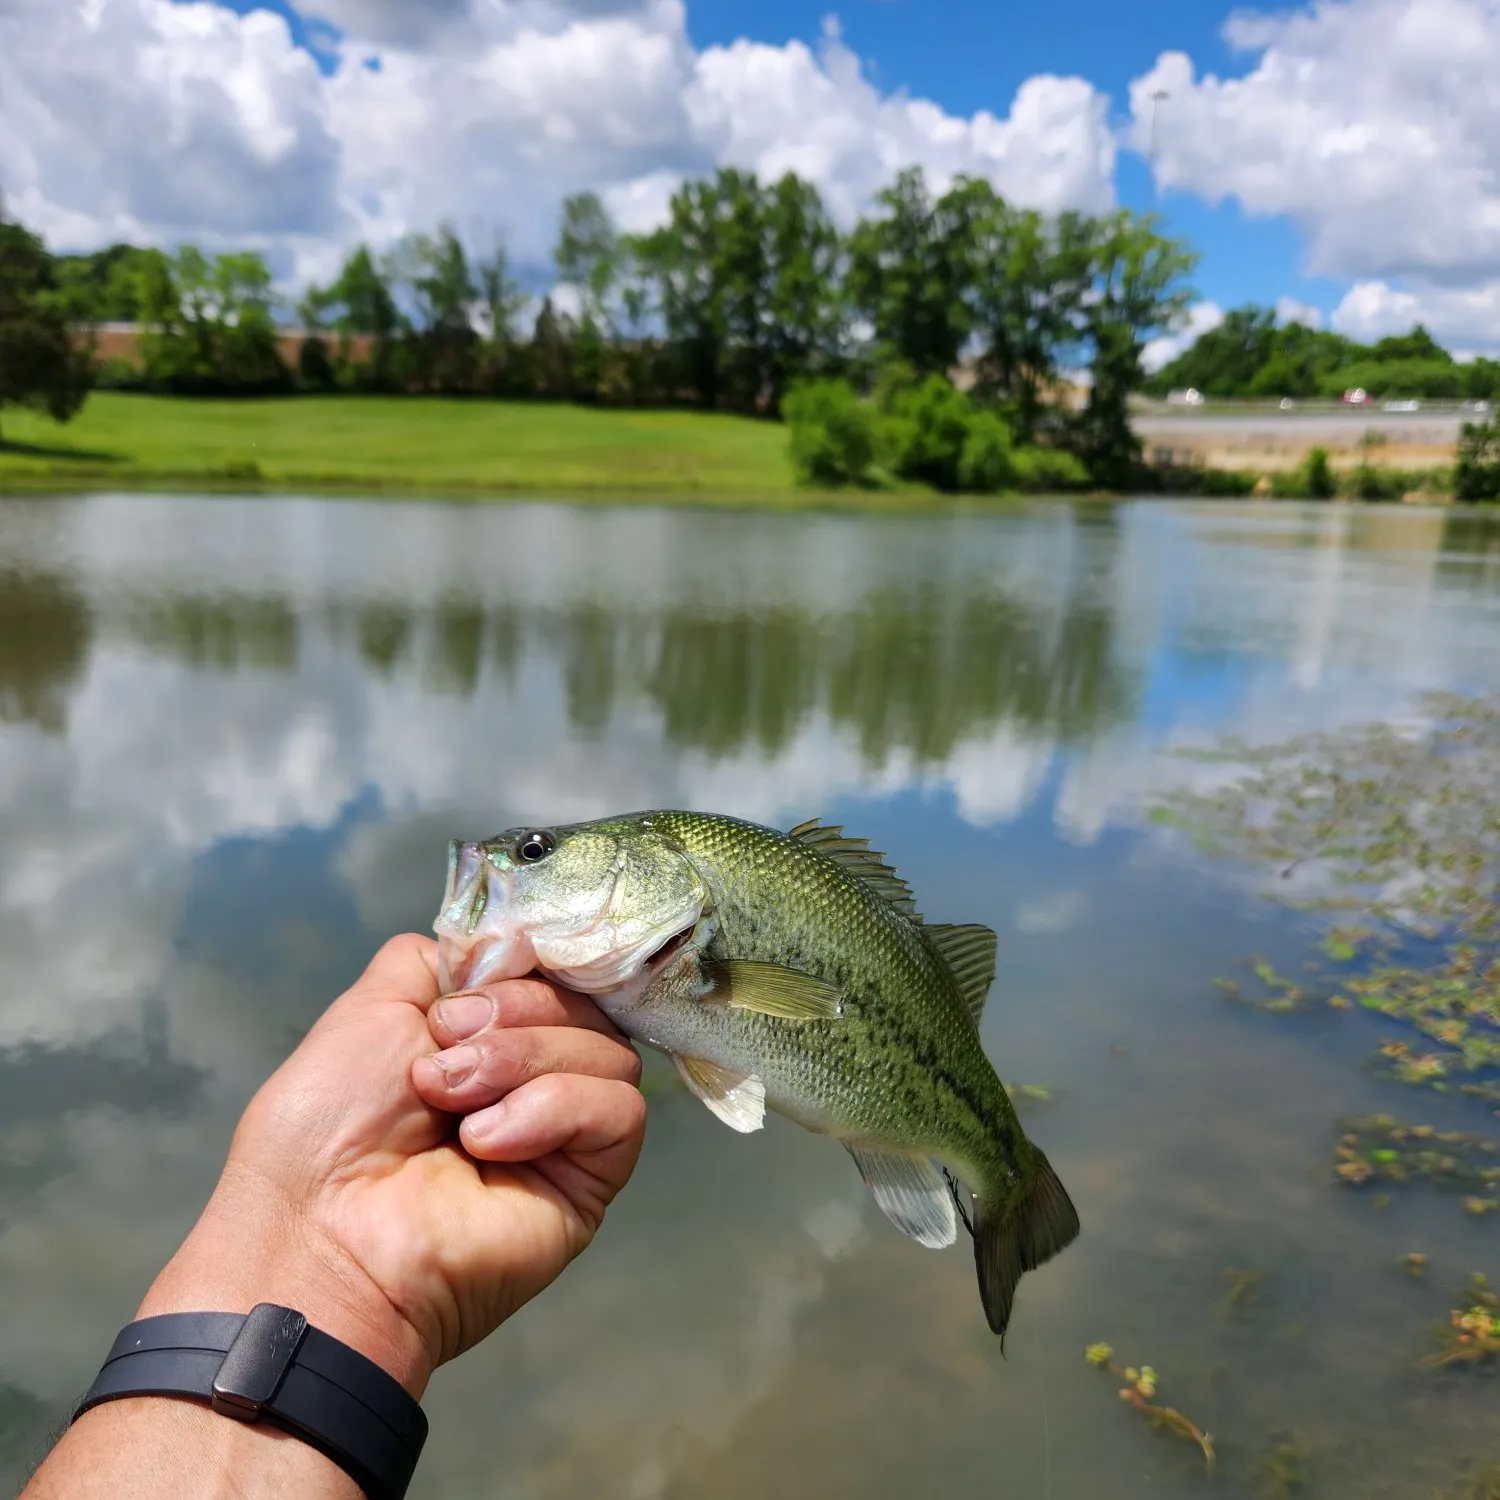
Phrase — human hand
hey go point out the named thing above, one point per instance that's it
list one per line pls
(347, 1196)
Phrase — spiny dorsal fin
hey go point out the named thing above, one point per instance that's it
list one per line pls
(969, 953)
(861, 861)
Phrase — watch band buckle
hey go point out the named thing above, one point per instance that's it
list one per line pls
(256, 1362)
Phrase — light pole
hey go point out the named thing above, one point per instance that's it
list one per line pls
(1157, 95)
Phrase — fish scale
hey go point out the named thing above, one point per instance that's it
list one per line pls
(788, 971)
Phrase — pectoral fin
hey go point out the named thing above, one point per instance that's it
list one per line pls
(770, 990)
(738, 1099)
(911, 1194)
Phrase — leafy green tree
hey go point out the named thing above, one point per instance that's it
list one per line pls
(1026, 280)
(359, 301)
(743, 278)
(1476, 474)
(588, 254)
(499, 293)
(1138, 291)
(907, 275)
(1410, 347)
(100, 287)
(40, 365)
(804, 322)
(551, 338)
(208, 324)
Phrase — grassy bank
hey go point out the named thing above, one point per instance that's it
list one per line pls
(397, 443)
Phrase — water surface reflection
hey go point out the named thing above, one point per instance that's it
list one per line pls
(235, 736)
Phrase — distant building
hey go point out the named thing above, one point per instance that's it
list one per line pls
(121, 341)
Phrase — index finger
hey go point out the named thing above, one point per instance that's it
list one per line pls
(512, 1002)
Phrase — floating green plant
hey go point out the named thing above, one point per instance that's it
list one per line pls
(1392, 834)
(1138, 1389)
(1381, 1148)
(1471, 1336)
(1415, 1265)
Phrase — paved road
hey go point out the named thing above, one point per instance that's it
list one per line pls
(1421, 428)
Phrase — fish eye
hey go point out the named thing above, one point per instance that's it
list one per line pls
(535, 845)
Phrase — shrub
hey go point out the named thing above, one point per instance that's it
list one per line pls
(1049, 469)
(987, 462)
(924, 434)
(832, 433)
(1476, 472)
(1316, 476)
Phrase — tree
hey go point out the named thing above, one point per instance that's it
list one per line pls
(1416, 345)
(434, 270)
(208, 324)
(744, 278)
(1476, 474)
(803, 322)
(1026, 282)
(587, 256)
(499, 294)
(907, 271)
(40, 366)
(1138, 291)
(359, 301)
(100, 287)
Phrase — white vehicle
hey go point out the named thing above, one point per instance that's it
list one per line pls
(1406, 405)
(1189, 397)
(1479, 406)
(1287, 403)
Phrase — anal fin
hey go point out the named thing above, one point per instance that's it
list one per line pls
(738, 1099)
(911, 1193)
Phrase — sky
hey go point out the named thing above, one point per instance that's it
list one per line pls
(1339, 159)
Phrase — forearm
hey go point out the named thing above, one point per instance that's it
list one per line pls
(157, 1448)
(168, 1448)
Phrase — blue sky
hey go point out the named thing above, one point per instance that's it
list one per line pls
(1337, 154)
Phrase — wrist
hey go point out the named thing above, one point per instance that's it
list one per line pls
(237, 1256)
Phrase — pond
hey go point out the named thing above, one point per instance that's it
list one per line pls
(236, 735)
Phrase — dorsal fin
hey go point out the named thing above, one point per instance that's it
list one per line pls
(860, 860)
(969, 953)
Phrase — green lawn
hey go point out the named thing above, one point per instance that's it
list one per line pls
(393, 443)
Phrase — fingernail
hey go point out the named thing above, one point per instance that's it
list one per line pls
(463, 1015)
(458, 1064)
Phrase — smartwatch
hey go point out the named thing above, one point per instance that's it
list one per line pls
(272, 1366)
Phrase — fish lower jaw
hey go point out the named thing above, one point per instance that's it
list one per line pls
(470, 965)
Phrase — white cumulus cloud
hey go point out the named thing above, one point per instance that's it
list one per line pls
(219, 128)
(1372, 125)
(1201, 317)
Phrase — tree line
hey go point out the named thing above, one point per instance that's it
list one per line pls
(1252, 354)
(746, 290)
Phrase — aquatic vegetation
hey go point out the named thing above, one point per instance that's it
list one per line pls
(1028, 1093)
(1381, 1148)
(1283, 1472)
(1391, 833)
(1138, 1389)
(1471, 1336)
(1414, 1263)
(1243, 1285)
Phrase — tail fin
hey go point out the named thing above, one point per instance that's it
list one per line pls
(1015, 1237)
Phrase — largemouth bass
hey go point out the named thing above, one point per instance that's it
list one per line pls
(789, 971)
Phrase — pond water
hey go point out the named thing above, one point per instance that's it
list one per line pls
(235, 736)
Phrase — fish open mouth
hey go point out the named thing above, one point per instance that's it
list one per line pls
(662, 956)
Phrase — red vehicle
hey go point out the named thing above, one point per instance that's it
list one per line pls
(1357, 397)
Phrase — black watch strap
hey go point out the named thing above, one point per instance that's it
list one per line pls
(271, 1365)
